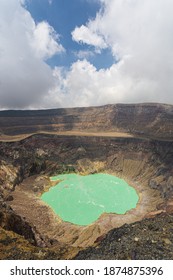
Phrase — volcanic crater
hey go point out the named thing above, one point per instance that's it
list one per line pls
(133, 142)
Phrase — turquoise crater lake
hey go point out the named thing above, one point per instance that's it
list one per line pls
(82, 199)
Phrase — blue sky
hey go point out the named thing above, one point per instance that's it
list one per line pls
(64, 16)
(75, 53)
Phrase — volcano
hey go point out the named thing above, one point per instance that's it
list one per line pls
(133, 142)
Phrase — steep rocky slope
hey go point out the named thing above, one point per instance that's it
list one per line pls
(148, 239)
(144, 159)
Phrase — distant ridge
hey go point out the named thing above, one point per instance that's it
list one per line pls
(148, 119)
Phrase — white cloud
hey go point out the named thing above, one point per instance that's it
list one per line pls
(83, 85)
(44, 41)
(86, 35)
(24, 77)
(139, 33)
(84, 54)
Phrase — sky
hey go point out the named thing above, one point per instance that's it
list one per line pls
(75, 53)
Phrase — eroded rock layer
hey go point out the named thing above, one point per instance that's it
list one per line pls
(145, 120)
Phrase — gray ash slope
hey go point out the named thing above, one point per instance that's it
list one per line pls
(149, 239)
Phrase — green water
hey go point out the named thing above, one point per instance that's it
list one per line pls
(82, 199)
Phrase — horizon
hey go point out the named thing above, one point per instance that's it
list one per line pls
(93, 106)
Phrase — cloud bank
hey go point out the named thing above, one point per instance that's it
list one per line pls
(25, 78)
(138, 33)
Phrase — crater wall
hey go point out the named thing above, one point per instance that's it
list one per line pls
(145, 120)
(73, 140)
(145, 164)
